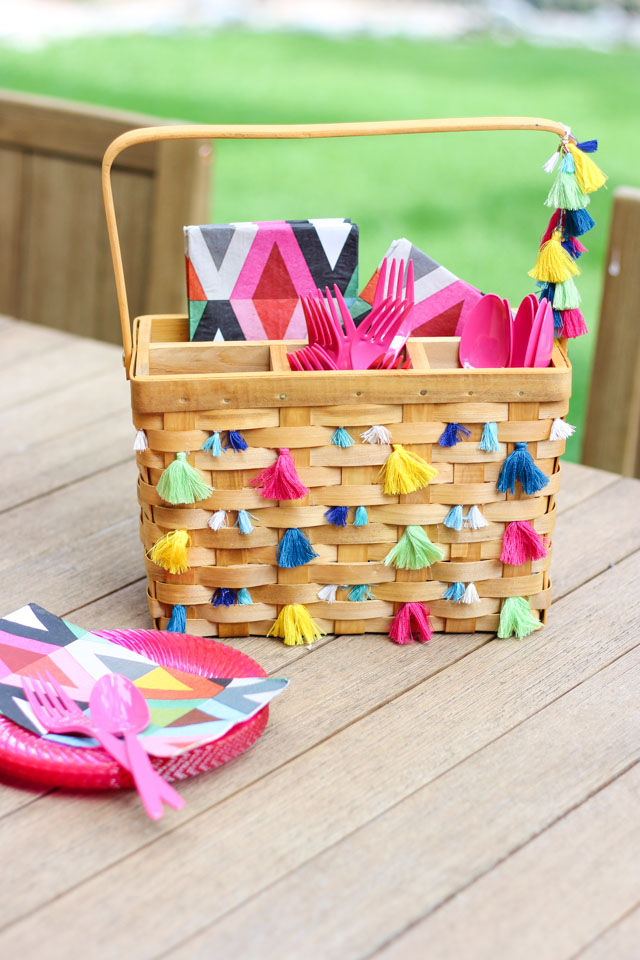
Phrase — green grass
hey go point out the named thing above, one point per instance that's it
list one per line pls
(473, 201)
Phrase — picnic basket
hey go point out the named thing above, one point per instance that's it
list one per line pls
(182, 392)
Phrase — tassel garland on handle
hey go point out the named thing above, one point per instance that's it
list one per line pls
(295, 626)
(453, 519)
(475, 520)
(140, 442)
(217, 520)
(178, 619)
(561, 430)
(280, 481)
(376, 434)
(223, 597)
(519, 465)
(521, 543)
(489, 440)
(235, 441)
(213, 445)
(413, 551)
(341, 438)
(453, 433)
(361, 518)
(244, 521)
(170, 551)
(411, 623)
(360, 592)
(181, 483)
(294, 550)
(328, 593)
(337, 516)
(405, 472)
(516, 618)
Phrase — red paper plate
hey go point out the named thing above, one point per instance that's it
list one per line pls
(29, 757)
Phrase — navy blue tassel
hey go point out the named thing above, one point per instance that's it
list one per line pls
(570, 248)
(577, 222)
(557, 322)
(588, 146)
(337, 516)
(178, 620)
(235, 441)
(519, 465)
(546, 291)
(294, 550)
(223, 597)
(453, 433)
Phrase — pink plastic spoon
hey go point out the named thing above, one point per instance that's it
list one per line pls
(546, 335)
(486, 338)
(522, 329)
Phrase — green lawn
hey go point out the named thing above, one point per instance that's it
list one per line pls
(473, 201)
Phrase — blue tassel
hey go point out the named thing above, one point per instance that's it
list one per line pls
(337, 516)
(571, 250)
(489, 440)
(178, 620)
(546, 291)
(360, 592)
(244, 521)
(244, 597)
(577, 222)
(341, 438)
(453, 519)
(557, 322)
(454, 592)
(235, 441)
(223, 597)
(453, 433)
(294, 550)
(519, 465)
(361, 517)
(212, 445)
(567, 165)
(587, 146)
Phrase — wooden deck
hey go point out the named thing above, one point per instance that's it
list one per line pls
(471, 799)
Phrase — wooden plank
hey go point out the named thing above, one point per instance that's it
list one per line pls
(580, 482)
(12, 165)
(21, 339)
(619, 941)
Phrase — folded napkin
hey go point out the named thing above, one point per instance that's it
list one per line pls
(244, 280)
(186, 710)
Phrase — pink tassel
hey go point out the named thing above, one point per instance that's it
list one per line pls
(577, 246)
(411, 622)
(553, 223)
(521, 543)
(280, 481)
(573, 324)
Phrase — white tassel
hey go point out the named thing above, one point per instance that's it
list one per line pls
(471, 594)
(376, 434)
(140, 443)
(475, 519)
(218, 520)
(328, 593)
(561, 430)
(549, 165)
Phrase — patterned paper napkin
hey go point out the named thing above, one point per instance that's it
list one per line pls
(186, 710)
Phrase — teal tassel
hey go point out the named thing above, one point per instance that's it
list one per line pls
(244, 521)
(213, 445)
(341, 438)
(489, 440)
(178, 621)
(519, 465)
(244, 597)
(453, 519)
(454, 592)
(360, 592)
(361, 518)
(294, 550)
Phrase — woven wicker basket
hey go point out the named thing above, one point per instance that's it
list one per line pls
(183, 391)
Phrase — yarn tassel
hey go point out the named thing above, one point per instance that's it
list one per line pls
(212, 445)
(454, 592)
(549, 165)
(471, 594)
(342, 438)
(181, 483)
(224, 597)
(244, 521)
(218, 520)
(411, 623)
(294, 550)
(516, 618)
(178, 619)
(453, 519)
(337, 516)
(453, 433)
(235, 441)
(519, 465)
(554, 264)
(521, 543)
(489, 439)
(565, 192)
(577, 223)
(573, 324)
(295, 626)
(475, 519)
(328, 593)
(573, 247)
(405, 472)
(561, 430)
(566, 296)
(280, 481)
(588, 174)
(376, 434)
(588, 146)
(170, 551)
(140, 442)
(551, 226)
(557, 323)
(361, 518)
(360, 592)
(244, 597)
(413, 551)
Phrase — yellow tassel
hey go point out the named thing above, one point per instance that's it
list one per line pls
(588, 174)
(554, 264)
(170, 552)
(405, 472)
(295, 626)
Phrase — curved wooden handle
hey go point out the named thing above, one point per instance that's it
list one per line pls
(283, 132)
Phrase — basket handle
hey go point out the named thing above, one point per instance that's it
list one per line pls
(283, 132)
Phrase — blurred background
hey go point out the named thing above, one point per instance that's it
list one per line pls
(474, 202)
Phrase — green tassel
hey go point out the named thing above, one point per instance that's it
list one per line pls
(565, 194)
(516, 617)
(181, 483)
(566, 296)
(413, 551)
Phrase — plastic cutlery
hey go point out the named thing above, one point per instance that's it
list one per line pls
(546, 336)
(486, 337)
(522, 330)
